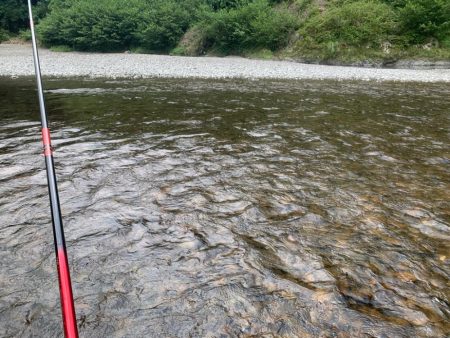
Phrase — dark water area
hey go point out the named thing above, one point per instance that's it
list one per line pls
(198, 208)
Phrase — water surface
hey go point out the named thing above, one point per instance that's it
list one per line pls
(198, 208)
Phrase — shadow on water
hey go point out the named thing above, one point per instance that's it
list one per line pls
(199, 208)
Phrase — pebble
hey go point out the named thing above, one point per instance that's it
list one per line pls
(16, 60)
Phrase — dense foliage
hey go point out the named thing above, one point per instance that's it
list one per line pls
(316, 28)
(376, 28)
(112, 25)
(3, 35)
(102, 25)
(216, 5)
(353, 24)
(421, 19)
(256, 25)
(14, 13)
(165, 22)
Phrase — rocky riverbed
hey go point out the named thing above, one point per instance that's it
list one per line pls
(16, 61)
(229, 208)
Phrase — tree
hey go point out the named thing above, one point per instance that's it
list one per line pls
(422, 19)
(14, 13)
(222, 4)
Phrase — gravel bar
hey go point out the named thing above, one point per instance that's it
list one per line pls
(16, 61)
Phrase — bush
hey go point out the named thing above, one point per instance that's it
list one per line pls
(223, 4)
(4, 36)
(166, 22)
(112, 25)
(61, 49)
(25, 35)
(13, 15)
(359, 24)
(272, 28)
(329, 29)
(256, 25)
(193, 43)
(103, 25)
(423, 19)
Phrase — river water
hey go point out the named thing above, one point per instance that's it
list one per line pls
(197, 208)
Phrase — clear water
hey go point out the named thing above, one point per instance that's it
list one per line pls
(198, 208)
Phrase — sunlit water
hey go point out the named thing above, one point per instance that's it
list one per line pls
(200, 208)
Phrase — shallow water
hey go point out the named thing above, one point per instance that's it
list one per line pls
(198, 208)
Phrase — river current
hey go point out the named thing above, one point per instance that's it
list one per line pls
(233, 208)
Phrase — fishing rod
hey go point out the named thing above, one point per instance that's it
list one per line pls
(65, 285)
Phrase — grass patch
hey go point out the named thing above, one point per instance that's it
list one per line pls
(61, 49)
(264, 54)
(25, 35)
(178, 51)
(193, 43)
(355, 55)
(139, 50)
(420, 53)
(4, 35)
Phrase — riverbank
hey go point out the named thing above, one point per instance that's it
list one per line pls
(16, 61)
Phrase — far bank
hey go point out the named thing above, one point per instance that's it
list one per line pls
(16, 61)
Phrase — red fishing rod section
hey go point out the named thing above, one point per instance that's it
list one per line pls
(65, 285)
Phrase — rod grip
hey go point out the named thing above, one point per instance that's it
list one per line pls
(65, 286)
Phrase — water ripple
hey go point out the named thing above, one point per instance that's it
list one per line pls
(252, 208)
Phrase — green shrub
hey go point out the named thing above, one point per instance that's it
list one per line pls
(4, 36)
(165, 23)
(60, 4)
(193, 42)
(272, 28)
(256, 25)
(423, 19)
(103, 25)
(223, 4)
(264, 54)
(61, 49)
(361, 23)
(13, 15)
(329, 29)
(25, 35)
(445, 42)
(112, 25)
(178, 51)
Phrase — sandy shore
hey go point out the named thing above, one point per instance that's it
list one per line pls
(16, 60)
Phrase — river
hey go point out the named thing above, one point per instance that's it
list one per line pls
(229, 208)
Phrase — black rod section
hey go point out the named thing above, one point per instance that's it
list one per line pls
(65, 285)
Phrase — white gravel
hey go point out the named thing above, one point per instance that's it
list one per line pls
(16, 60)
